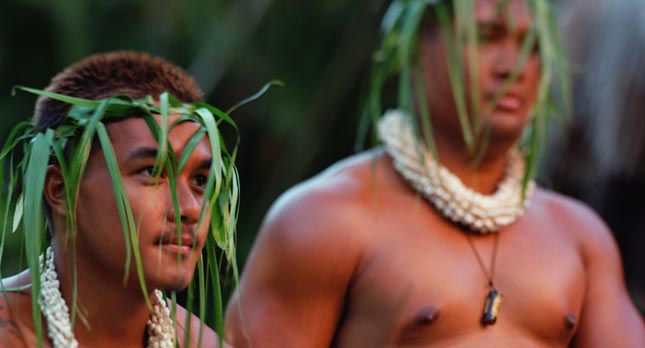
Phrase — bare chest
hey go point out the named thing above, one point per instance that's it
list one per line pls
(422, 283)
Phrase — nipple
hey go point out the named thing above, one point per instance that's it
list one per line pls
(426, 316)
(570, 321)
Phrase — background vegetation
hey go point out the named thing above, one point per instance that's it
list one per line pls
(320, 49)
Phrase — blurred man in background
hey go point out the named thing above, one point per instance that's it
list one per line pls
(355, 258)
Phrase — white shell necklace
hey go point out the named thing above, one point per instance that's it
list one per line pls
(160, 327)
(448, 194)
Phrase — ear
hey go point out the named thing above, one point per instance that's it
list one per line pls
(54, 190)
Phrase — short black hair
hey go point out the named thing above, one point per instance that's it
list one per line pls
(134, 74)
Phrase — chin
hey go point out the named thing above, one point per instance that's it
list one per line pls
(506, 128)
(177, 283)
(506, 135)
(170, 277)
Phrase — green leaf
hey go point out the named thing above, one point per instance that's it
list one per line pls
(214, 182)
(256, 95)
(20, 132)
(211, 246)
(195, 139)
(17, 215)
(190, 300)
(216, 112)
(456, 75)
(61, 97)
(201, 281)
(162, 154)
(34, 220)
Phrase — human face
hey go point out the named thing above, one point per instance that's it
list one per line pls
(502, 28)
(100, 241)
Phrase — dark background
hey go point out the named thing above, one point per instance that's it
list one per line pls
(320, 49)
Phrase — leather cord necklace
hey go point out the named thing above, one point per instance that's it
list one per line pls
(454, 200)
(494, 297)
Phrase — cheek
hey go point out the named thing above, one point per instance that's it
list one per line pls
(434, 65)
(205, 227)
(96, 206)
(146, 203)
(99, 229)
(535, 65)
(534, 71)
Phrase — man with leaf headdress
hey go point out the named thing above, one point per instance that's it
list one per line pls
(136, 181)
(440, 238)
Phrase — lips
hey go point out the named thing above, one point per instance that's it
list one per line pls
(172, 243)
(508, 102)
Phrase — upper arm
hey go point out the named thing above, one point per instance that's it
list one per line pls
(609, 318)
(293, 287)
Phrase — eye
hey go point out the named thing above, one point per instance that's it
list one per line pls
(200, 181)
(147, 171)
(488, 36)
(150, 177)
(484, 37)
(536, 48)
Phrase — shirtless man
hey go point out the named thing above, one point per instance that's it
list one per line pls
(355, 257)
(113, 313)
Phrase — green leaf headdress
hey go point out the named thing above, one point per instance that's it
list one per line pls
(456, 21)
(27, 153)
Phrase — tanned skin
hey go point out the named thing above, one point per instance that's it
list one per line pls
(355, 258)
(17, 327)
(117, 314)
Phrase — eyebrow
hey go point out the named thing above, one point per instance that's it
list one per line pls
(151, 153)
(143, 153)
(490, 23)
(205, 164)
(502, 25)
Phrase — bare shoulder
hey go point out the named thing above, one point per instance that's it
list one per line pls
(312, 217)
(209, 338)
(334, 202)
(308, 250)
(343, 182)
(332, 216)
(13, 303)
(578, 221)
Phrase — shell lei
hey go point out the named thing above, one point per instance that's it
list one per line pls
(160, 326)
(447, 193)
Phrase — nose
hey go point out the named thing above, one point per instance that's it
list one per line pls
(187, 202)
(507, 58)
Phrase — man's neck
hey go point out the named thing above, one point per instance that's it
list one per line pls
(483, 176)
(103, 301)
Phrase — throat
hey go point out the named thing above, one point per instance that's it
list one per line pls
(433, 178)
(102, 309)
(482, 177)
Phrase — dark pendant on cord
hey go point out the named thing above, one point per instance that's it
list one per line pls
(491, 307)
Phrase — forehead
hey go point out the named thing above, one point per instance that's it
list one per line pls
(517, 11)
(134, 132)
